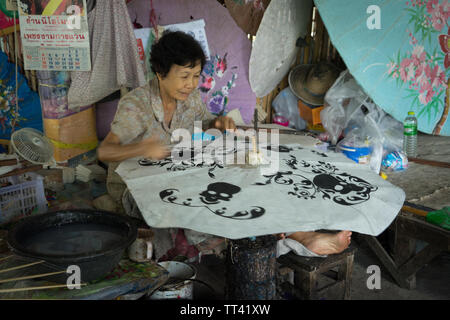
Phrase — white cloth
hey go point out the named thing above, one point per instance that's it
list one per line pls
(286, 245)
(310, 191)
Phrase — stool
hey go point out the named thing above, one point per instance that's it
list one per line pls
(311, 272)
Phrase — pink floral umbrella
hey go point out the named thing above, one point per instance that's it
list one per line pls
(398, 51)
(224, 83)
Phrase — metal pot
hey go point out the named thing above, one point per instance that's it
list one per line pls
(93, 240)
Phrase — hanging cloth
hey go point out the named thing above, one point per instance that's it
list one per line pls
(114, 52)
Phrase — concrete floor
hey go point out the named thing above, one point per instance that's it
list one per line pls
(432, 281)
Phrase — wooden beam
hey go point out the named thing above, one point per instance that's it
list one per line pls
(318, 38)
(387, 262)
(411, 226)
(22, 170)
(418, 261)
(431, 162)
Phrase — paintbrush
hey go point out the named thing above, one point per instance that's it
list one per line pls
(255, 126)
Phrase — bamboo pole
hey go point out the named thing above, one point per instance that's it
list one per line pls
(32, 276)
(308, 40)
(34, 80)
(324, 44)
(328, 48)
(19, 51)
(22, 266)
(11, 48)
(40, 288)
(5, 44)
(443, 119)
(5, 258)
(318, 38)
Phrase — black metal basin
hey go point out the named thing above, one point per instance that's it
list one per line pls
(93, 240)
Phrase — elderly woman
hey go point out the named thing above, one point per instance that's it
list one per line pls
(147, 116)
(142, 127)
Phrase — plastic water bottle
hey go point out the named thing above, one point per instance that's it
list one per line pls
(410, 135)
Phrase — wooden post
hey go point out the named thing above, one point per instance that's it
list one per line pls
(251, 269)
(345, 274)
(307, 283)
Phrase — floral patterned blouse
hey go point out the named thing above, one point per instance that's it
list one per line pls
(140, 115)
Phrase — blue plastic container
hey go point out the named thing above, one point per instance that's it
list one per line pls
(357, 154)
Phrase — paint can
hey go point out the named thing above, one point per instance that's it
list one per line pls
(178, 286)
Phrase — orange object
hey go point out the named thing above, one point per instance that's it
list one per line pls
(310, 115)
(315, 127)
(73, 135)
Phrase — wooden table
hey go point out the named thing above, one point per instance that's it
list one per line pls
(399, 255)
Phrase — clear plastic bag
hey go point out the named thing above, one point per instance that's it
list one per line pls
(395, 161)
(349, 111)
(341, 101)
(286, 105)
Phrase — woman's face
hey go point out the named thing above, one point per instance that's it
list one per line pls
(180, 81)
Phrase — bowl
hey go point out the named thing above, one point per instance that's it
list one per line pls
(93, 240)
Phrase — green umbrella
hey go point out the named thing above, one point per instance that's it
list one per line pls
(7, 12)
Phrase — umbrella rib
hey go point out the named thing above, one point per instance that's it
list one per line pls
(22, 266)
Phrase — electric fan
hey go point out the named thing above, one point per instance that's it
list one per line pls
(33, 146)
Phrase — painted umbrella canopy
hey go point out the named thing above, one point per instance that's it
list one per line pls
(224, 83)
(7, 19)
(247, 13)
(398, 51)
(274, 48)
(4, 9)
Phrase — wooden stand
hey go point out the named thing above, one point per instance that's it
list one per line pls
(309, 270)
(251, 269)
(403, 262)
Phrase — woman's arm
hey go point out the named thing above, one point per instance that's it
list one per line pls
(223, 123)
(112, 150)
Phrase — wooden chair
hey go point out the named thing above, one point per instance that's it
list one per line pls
(311, 272)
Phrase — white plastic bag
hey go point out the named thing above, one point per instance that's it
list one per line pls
(286, 105)
(341, 101)
(350, 111)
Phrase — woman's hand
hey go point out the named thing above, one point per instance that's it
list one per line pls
(152, 148)
(224, 123)
(112, 150)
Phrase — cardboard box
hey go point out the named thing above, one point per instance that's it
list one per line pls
(73, 135)
(309, 114)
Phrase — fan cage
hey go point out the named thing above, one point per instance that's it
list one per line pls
(32, 145)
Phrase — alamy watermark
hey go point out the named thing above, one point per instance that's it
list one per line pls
(374, 280)
(74, 278)
(73, 20)
(233, 147)
(374, 20)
